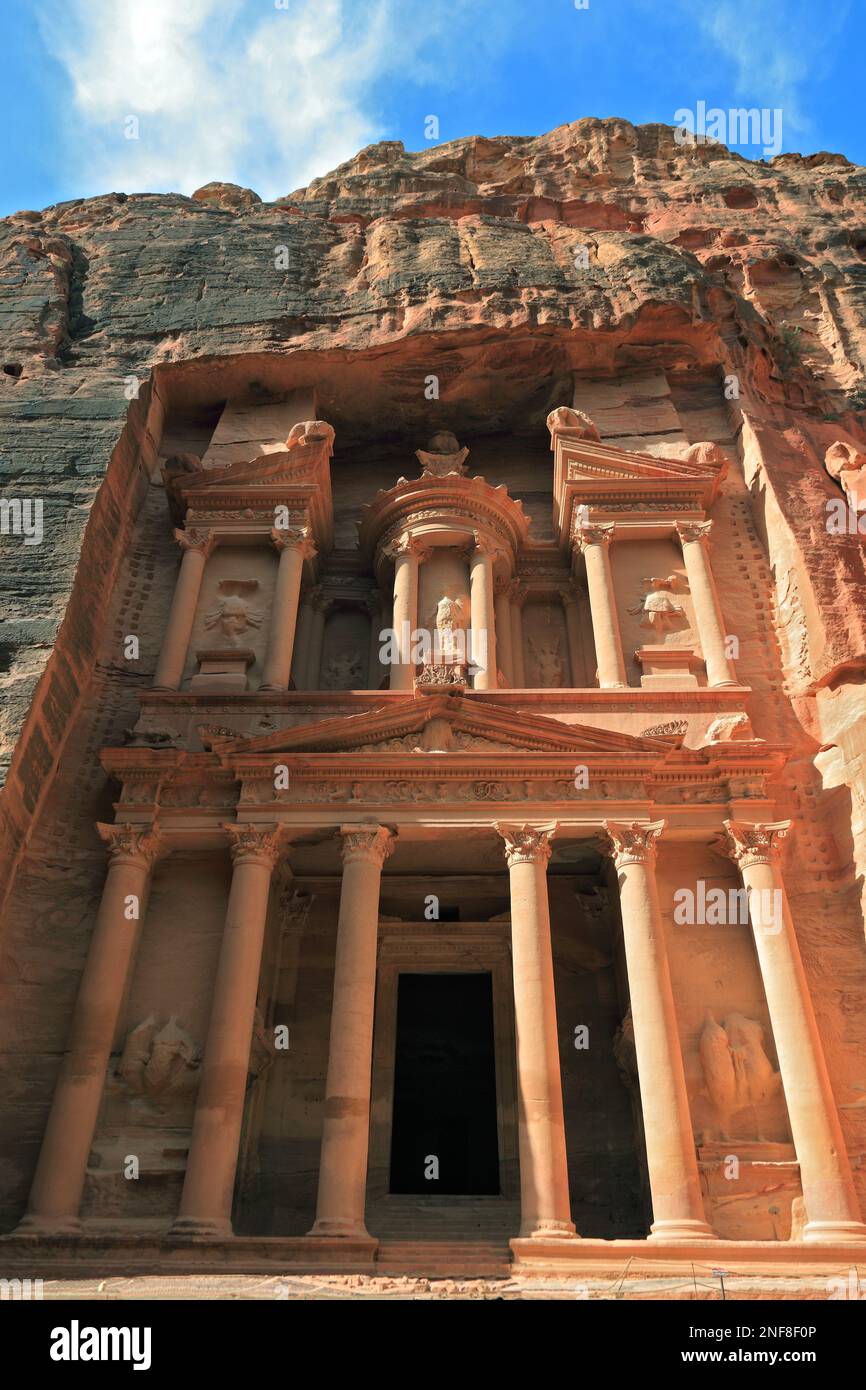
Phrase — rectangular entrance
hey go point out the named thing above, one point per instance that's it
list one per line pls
(444, 1115)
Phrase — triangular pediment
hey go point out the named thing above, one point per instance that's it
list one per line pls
(600, 463)
(289, 466)
(439, 724)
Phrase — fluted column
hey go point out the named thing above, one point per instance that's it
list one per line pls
(517, 596)
(58, 1184)
(321, 603)
(594, 543)
(482, 616)
(295, 547)
(206, 1200)
(678, 1208)
(694, 538)
(196, 546)
(502, 609)
(545, 1207)
(345, 1136)
(571, 605)
(405, 553)
(832, 1209)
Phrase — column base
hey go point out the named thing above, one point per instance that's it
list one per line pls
(335, 1227)
(613, 685)
(681, 1231)
(549, 1230)
(829, 1232)
(209, 1228)
(32, 1224)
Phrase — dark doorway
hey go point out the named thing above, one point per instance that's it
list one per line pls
(445, 1086)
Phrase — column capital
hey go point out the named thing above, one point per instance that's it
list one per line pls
(570, 595)
(518, 592)
(255, 843)
(594, 533)
(503, 586)
(372, 844)
(693, 531)
(632, 842)
(294, 538)
(195, 538)
(132, 844)
(754, 844)
(406, 544)
(526, 844)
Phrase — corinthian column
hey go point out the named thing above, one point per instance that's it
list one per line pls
(502, 608)
(594, 542)
(694, 537)
(405, 553)
(55, 1196)
(678, 1208)
(206, 1200)
(545, 1207)
(832, 1209)
(345, 1136)
(196, 546)
(483, 619)
(295, 547)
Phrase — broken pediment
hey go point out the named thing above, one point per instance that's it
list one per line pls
(441, 724)
(612, 483)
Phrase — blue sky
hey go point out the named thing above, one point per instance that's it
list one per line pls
(271, 93)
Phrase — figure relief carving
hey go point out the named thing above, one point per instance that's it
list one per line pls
(846, 464)
(452, 620)
(233, 614)
(159, 1059)
(566, 420)
(547, 662)
(342, 672)
(659, 610)
(737, 1070)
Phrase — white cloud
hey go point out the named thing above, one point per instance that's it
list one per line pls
(237, 90)
(776, 48)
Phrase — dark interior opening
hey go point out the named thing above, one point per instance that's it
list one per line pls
(445, 1086)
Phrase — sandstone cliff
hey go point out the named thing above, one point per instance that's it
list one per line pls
(501, 265)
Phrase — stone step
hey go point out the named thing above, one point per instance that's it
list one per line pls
(444, 1259)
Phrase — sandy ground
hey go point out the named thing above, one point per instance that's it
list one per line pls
(319, 1287)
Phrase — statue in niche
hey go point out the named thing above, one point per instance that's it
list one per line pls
(342, 672)
(159, 1059)
(547, 661)
(233, 614)
(451, 619)
(658, 609)
(737, 1070)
